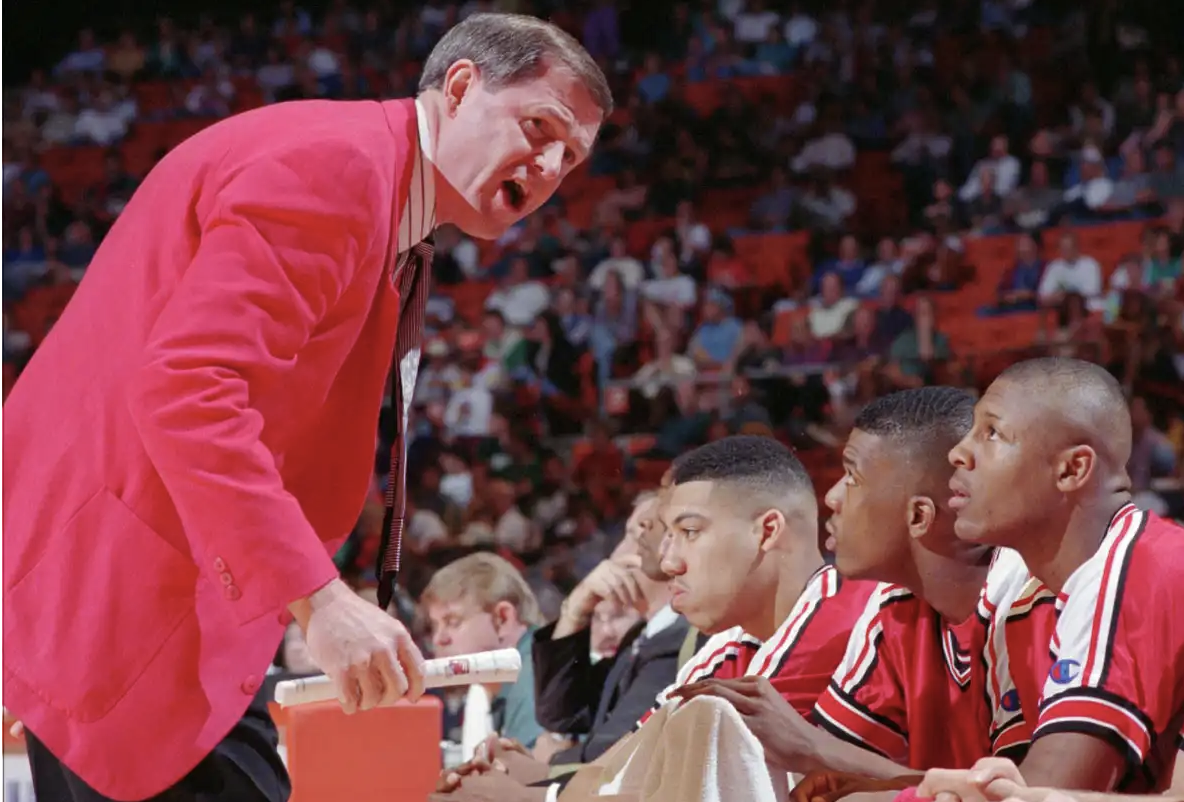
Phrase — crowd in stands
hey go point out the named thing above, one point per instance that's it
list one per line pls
(798, 207)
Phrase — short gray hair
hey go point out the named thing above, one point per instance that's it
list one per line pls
(508, 48)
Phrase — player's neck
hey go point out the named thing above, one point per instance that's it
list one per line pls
(1080, 532)
(950, 585)
(795, 571)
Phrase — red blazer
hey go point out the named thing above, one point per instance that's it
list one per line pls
(197, 433)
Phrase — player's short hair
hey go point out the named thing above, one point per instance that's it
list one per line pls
(1086, 395)
(1068, 372)
(486, 579)
(510, 48)
(759, 463)
(927, 421)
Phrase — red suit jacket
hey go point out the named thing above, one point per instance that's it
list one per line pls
(197, 432)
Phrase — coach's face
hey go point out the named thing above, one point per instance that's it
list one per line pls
(505, 152)
(1005, 469)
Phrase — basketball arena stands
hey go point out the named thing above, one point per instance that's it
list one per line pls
(797, 206)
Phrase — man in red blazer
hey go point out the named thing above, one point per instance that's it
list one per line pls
(196, 435)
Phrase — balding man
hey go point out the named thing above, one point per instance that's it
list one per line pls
(1043, 471)
(603, 701)
(196, 435)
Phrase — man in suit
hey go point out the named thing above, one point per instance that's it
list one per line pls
(195, 437)
(602, 702)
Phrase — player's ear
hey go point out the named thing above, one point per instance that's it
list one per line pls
(772, 528)
(920, 512)
(458, 81)
(1075, 467)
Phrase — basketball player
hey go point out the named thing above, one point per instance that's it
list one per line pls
(1043, 471)
(921, 652)
(741, 521)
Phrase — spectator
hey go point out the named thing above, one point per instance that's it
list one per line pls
(479, 603)
(1071, 272)
(520, 299)
(830, 310)
(629, 270)
(888, 263)
(1004, 167)
(916, 353)
(1036, 204)
(667, 369)
(717, 343)
(504, 348)
(101, 124)
(1018, 287)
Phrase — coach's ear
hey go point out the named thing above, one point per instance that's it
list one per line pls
(921, 512)
(458, 80)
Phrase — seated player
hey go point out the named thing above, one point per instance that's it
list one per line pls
(1043, 471)
(741, 548)
(482, 602)
(922, 651)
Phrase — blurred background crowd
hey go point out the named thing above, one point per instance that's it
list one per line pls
(798, 206)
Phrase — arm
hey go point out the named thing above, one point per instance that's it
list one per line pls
(1073, 760)
(653, 675)
(279, 246)
(861, 716)
(1114, 692)
(567, 684)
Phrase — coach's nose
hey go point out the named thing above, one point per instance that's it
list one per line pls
(550, 161)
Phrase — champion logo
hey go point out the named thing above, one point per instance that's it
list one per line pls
(1064, 671)
(1010, 701)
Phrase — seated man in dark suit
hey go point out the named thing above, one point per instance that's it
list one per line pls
(601, 702)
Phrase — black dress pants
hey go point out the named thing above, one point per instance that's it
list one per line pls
(244, 767)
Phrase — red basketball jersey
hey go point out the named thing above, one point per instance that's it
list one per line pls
(802, 654)
(921, 690)
(1118, 651)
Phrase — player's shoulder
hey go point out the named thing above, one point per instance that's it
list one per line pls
(729, 646)
(830, 588)
(1010, 588)
(1159, 538)
(1142, 554)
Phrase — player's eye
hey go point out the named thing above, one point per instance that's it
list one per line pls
(992, 433)
(849, 478)
(690, 534)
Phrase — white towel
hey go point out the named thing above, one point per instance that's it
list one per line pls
(700, 751)
(477, 724)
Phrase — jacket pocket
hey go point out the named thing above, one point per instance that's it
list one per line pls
(86, 622)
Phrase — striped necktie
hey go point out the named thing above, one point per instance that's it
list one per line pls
(412, 277)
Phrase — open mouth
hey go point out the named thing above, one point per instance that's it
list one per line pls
(515, 194)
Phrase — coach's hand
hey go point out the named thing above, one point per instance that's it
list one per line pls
(368, 655)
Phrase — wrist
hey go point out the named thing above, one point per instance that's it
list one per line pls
(572, 618)
(302, 609)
